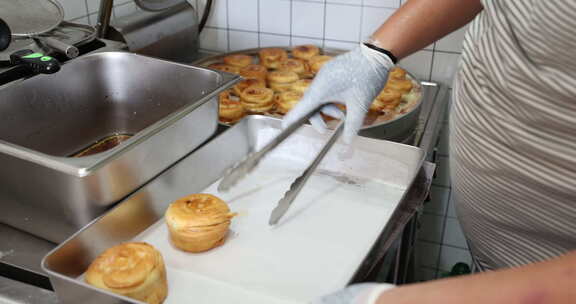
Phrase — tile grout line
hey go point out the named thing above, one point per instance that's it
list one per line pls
(324, 26)
(258, 20)
(441, 240)
(228, 24)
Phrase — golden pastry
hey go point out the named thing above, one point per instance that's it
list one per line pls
(285, 101)
(281, 80)
(238, 60)
(134, 270)
(230, 108)
(295, 65)
(402, 86)
(198, 222)
(301, 85)
(254, 71)
(305, 52)
(387, 100)
(317, 62)
(257, 99)
(397, 74)
(271, 57)
(224, 68)
(248, 82)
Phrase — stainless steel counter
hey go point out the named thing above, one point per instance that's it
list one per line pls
(21, 253)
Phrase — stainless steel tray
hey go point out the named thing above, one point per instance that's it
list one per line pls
(169, 108)
(397, 129)
(305, 234)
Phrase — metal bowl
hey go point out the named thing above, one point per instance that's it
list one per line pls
(398, 128)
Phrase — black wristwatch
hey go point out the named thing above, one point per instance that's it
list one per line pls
(383, 51)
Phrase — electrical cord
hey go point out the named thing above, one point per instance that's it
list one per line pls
(205, 15)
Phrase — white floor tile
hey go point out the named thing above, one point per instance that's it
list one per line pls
(453, 234)
(444, 144)
(452, 207)
(427, 254)
(442, 172)
(243, 40)
(424, 274)
(438, 204)
(449, 256)
(431, 228)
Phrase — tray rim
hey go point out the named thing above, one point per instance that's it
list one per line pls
(70, 240)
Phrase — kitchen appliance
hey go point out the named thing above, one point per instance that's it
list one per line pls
(257, 263)
(47, 118)
(171, 33)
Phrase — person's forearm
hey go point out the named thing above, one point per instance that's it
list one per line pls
(418, 23)
(550, 282)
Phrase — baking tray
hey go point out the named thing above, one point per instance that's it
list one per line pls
(397, 129)
(315, 249)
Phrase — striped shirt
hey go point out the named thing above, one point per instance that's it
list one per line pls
(513, 132)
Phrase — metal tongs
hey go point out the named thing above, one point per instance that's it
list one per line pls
(241, 169)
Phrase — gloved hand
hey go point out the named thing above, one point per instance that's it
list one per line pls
(365, 293)
(354, 79)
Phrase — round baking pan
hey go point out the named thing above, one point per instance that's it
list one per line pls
(398, 128)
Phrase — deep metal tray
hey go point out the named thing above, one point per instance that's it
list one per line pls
(169, 108)
(393, 166)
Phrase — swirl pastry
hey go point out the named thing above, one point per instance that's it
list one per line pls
(402, 86)
(271, 57)
(281, 80)
(397, 74)
(295, 65)
(134, 270)
(254, 71)
(285, 101)
(224, 68)
(301, 85)
(305, 52)
(387, 100)
(317, 62)
(238, 60)
(257, 99)
(230, 108)
(198, 222)
(248, 82)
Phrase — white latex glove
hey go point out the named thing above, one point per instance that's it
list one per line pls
(365, 293)
(353, 79)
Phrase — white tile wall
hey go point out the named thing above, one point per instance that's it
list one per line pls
(336, 29)
(275, 16)
(328, 23)
(248, 19)
(214, 39)
(308, 19)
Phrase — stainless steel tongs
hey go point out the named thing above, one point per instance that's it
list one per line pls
(241, 169)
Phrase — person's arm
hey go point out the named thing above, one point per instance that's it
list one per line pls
(356, 77)
(551, 282)
(418, 23)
